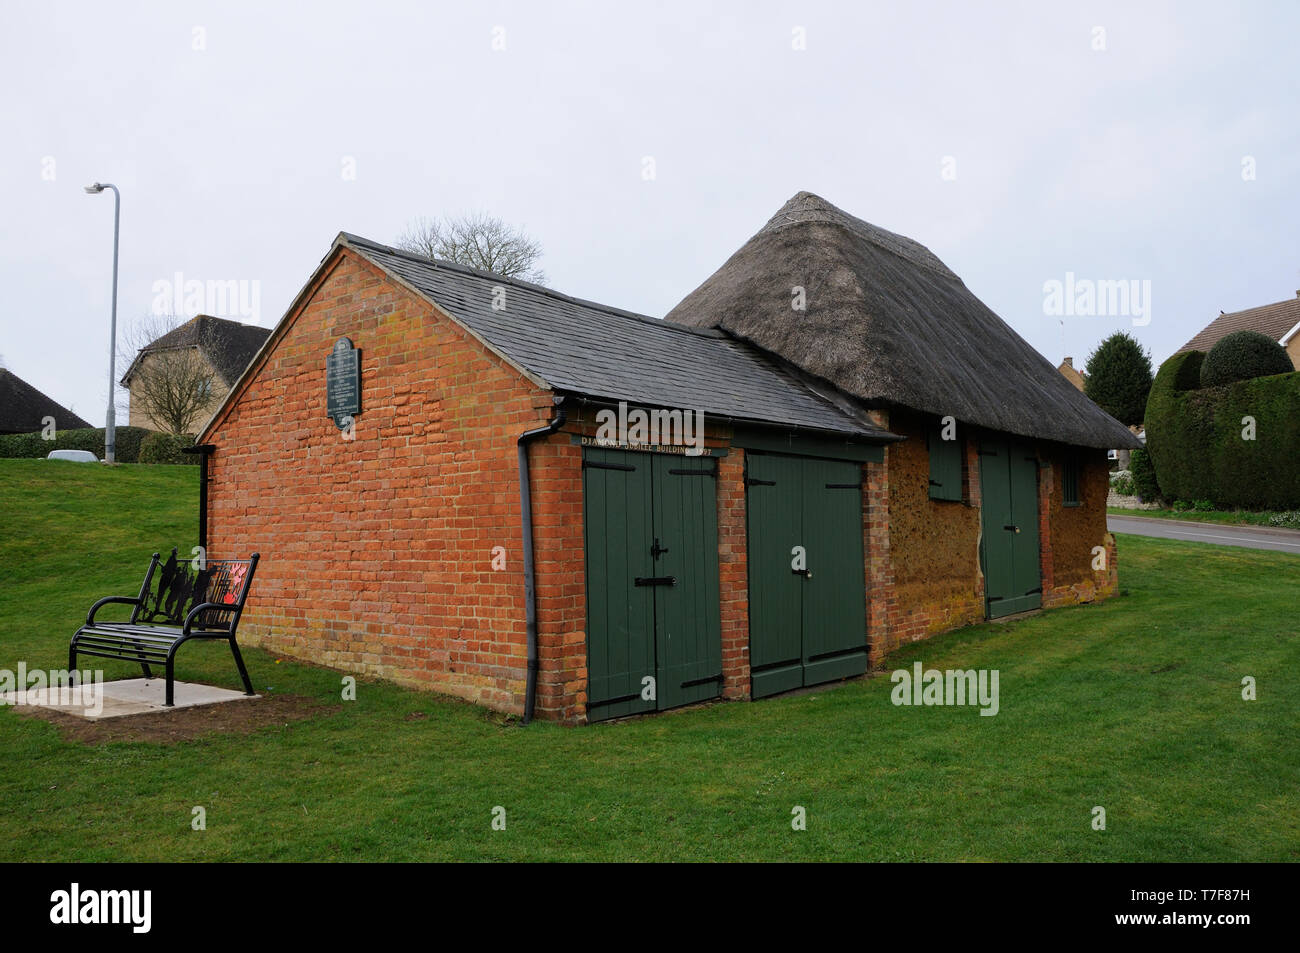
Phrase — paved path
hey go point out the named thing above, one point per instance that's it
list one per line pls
(1252, 537)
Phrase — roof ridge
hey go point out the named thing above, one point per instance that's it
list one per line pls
(1294, 302)
(354, 239)
(805, 208)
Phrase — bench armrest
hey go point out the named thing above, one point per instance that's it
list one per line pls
(204, 607)
(108, 600)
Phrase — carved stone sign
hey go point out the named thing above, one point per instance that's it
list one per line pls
(343, 383)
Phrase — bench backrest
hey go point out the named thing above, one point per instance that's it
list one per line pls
(172, 588)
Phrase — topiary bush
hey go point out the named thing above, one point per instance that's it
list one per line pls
(1235, 444)
(1143, 476)
(126, 448)
(167, 448)
(1242, 356)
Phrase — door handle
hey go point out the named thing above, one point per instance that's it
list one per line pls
(655, 580)
(806, 573)
(656, 550)
(1014, 529)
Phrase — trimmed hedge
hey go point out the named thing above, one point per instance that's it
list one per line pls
(1241, 356)
(1194, 437)
(127, 448)
(166, 448)
(1146, 487)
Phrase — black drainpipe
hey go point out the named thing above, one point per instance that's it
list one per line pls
(530, 582)
(204, 450)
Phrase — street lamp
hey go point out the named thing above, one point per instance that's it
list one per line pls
(110, 429)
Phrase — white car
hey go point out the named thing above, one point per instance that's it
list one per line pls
(76, 456)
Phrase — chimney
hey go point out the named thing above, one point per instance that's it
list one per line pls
(1069, 361)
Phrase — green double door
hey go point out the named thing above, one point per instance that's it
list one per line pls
(807, 586)
(1009, 515)
(653, 627)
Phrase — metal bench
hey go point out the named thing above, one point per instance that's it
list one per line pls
(176, 603)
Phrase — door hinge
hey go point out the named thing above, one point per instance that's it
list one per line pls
(702, 681)
(614, 701)
(750, 481)
(595, 465)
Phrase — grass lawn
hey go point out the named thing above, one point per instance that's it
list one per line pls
(1226, 517)
(1133, 705)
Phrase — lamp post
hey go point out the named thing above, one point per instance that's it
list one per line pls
(110, 427)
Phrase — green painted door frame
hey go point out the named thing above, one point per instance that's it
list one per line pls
(653, 610)
(1009, 544)
(807, 586)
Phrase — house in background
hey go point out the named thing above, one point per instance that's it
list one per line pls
(881, 459)
(23, 409)
(1279, 320)
(1067, 370)
(220, 348)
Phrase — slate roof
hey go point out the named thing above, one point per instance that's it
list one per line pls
(583, 348)
(23, 407)
(888, 322)
(1275, 320)
(228, 345)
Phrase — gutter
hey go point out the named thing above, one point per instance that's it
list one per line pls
(530, 574)
(205, 450)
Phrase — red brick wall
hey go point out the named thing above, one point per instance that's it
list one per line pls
(377, 552)
(733, 574)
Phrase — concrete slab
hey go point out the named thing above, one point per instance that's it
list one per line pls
(129, 696)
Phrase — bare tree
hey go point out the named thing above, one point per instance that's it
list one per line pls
(478, 240)
(171, 384)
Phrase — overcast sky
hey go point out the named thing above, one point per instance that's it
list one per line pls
(1018, 142)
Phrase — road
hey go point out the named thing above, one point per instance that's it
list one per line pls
(1252, 537)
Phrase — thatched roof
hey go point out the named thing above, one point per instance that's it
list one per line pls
(889, 323)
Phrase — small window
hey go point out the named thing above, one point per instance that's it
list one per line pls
(945, 465)
(1070, 481)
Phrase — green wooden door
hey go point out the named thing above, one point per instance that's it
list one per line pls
(807, 591)
(774, 490)
(620, 615)
(835, 588)
(653, 608)
(1009, 522)
(688, 630)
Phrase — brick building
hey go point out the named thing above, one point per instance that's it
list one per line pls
(549, 506)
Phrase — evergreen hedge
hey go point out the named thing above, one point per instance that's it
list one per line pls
(167, 448)
(1241, 356)
(1195, 437)
(127, 443)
